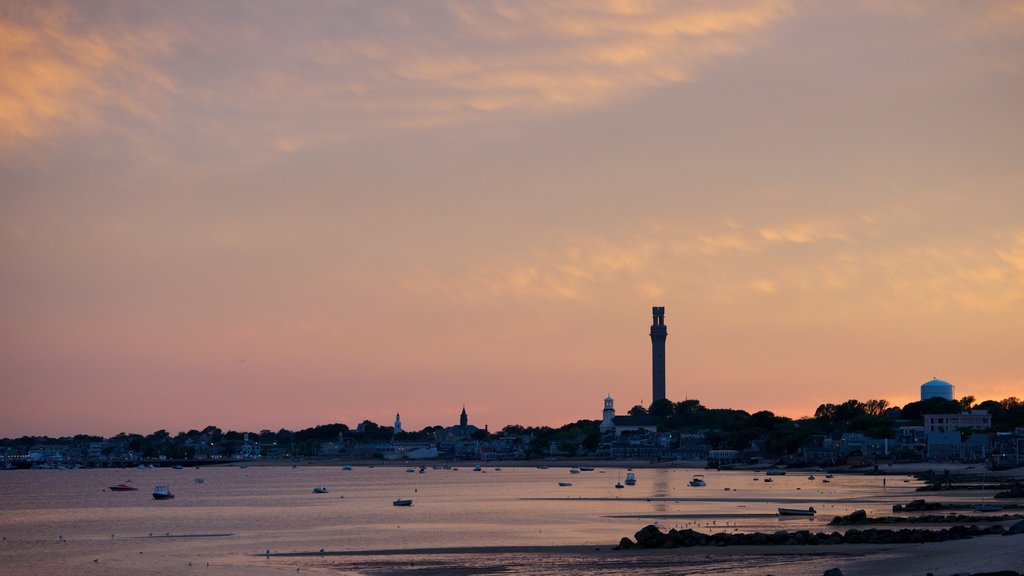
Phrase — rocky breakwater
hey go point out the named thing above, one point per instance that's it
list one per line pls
(651, 536)
(861, 517)
(925, 506)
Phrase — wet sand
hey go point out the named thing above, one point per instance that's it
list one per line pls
(988, 553)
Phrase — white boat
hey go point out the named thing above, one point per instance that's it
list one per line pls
(162, 493)
(698, 480)
(630, 479)
(320, 490)
(402, 502)
(797, 511)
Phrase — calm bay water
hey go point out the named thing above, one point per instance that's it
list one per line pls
(53, 520)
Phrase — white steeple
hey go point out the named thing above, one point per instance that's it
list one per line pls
(609, 413)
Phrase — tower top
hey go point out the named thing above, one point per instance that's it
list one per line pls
(658, 313)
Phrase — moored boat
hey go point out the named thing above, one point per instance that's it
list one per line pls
(775, 472)
(162, 493)
(122, 488)
(402, 502)
(630, 479)
(320, 490)
(565, 483)
(698, 480)
(797, 511)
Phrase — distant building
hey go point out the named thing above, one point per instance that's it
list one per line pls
(463, 431)
(973, 420)
(398, 424)
(642, 423)
(936, 388)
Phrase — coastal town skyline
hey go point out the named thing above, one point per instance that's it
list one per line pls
(257, 215)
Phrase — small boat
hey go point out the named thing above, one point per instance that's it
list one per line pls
(619, 485)
(162, 493)
(826, 481)
(698, 480)
(200, 480)
(542, 467)
(477, 468)
(565, 483)
(178, 467)
(828, 475)
(402, 502)
(574, 471)
(587, 468)
(410, 469)
(498, 469)
(775, 472)
(320, 490)
(986, 508)
(122, 488)
(811, 477)
(630, 479)
(797, 511)
(769, 480)
(346, 467)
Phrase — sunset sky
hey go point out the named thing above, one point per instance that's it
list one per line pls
(283, 214)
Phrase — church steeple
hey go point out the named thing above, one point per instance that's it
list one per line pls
(398, 423)
(464, 418)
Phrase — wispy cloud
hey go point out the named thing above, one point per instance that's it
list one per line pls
(314, 73)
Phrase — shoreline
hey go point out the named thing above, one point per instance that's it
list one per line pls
(897, 469)
(982, 554)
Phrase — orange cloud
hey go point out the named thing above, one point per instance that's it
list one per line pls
(53, 75)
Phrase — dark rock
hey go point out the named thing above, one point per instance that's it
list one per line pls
(1017, 528)
(833, 572)
(624, 544)
(650, 537)
(999, 573)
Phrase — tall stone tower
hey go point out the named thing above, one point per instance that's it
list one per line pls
(463, 418)
(658, 335)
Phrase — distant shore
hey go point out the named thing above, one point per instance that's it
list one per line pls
(897, 469)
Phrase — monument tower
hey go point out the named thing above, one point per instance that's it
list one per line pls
(658, 335)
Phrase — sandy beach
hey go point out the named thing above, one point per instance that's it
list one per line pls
(985, 554)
